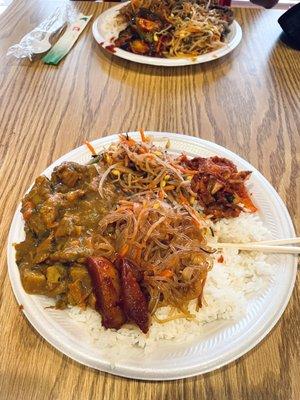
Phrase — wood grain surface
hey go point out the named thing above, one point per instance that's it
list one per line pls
(247, 102)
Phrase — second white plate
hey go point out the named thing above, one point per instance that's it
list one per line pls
(105, 29)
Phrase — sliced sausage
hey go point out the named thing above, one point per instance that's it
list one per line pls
(133, 300)
(107, 290)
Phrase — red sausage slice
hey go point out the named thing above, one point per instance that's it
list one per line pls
(134, 302)
(106, 285)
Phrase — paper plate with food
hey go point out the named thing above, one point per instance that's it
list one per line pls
(127, 255)
(168, 33)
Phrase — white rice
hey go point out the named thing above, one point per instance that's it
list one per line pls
(229, 287)
(111, 28)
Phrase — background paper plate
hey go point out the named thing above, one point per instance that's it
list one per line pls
(222, 342)
(105, 29)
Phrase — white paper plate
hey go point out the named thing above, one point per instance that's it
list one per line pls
(105, 29)
(222, 342)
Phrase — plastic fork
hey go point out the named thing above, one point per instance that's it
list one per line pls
(43, 45)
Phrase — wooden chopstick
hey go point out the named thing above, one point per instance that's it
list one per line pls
(258, 247)
(279, 241)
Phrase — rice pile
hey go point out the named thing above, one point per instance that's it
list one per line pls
(229, 286)
(111, 27)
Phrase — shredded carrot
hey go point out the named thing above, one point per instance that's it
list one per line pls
(184, 170)
(124, 250)
(152, 185)
(247, 203)
(128, 141)
(196, 223)
(144, 138)
(201, 298)
(88, 243)
(167, 273)
(125, 207)
(138, 255)
(161, 194)
(169, 187)
(142, 133)
(182, 199)
(90, 147)
(142, 150)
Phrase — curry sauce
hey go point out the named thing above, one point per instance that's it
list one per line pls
(61, 217)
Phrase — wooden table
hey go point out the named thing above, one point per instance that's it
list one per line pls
(248, 102)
